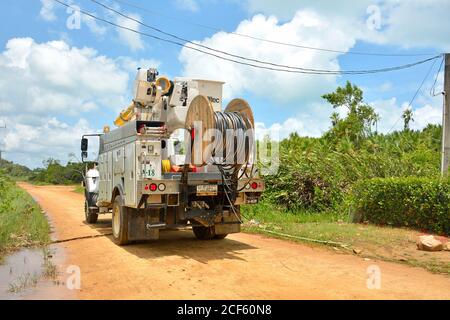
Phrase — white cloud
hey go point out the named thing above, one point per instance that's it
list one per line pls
(93, 26)
(428, 110)
(306, 27)
(279, 131)
(132, 65)
(47, 11)
(131, 39)
(417, 23)
(30, 144)
(54, 78)
(386, 86)
(288, 8)
(190, 5)
(414, 23)
(391, 112)
(338, 26)
(46, 87)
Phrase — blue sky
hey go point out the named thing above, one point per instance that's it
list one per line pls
(58, 82)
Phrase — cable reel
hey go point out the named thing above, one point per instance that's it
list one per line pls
(237, 119)
(203, 122)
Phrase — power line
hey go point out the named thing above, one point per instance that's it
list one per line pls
(233, 55)
(433, 87)
(415, 94)
(296, 70)
(276, 42)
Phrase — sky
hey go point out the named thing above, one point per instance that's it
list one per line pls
(64, 74)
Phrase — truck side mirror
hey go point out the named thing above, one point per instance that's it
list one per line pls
(84, 148)
(84, 144)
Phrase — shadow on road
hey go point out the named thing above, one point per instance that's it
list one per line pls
(181, 243)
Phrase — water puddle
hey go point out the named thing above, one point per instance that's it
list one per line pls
(34, 274)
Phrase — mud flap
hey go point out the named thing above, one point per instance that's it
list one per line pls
(226, 228)
(137, 226)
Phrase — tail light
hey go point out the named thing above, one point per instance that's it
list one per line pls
(254, 185)
(153, 187)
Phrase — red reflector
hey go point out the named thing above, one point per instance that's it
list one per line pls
(254, 185)
(146, 187)
(153, 187)
(192, 134)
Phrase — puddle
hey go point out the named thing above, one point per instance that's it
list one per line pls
(34, 274)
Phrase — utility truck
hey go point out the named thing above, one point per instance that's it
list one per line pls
(175, 160)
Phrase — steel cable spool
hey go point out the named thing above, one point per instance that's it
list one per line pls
(203, 123)
(232, 150)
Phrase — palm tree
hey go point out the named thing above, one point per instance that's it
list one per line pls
(407, 118)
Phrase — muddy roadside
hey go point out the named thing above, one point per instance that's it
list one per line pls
(37, 272)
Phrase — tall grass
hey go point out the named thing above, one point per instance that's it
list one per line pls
(21, 221)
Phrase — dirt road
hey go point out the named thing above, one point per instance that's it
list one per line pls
(243, 266)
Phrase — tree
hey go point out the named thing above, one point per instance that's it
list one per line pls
(407, 118)
(361, 117)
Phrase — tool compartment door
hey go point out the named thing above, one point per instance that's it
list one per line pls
(103, 177)
(130, 175)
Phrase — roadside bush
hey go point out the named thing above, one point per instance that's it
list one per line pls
(421, 203)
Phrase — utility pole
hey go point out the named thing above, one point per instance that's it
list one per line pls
(446, 118)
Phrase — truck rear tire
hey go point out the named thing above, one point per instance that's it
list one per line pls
(220, 236)
(91, 217)
(204, 233)
(120, 222)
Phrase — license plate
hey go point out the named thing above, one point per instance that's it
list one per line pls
(207, 190)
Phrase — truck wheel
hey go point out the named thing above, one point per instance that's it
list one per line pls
(204, 233)
(119, 222)
(91, 217)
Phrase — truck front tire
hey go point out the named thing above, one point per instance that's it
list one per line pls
(91, 217)
(120, 222)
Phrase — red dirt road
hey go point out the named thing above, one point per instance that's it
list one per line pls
(243, 266)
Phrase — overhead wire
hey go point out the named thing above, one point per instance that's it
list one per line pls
(238, 56)
(415, 94)
(433, 87)
(300, 46)
(292, 70)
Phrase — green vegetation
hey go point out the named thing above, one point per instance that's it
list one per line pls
(421, 203)
(52, 172)
(79, 189)
(387, 179)
(24, 282)
(55, 173)
(14, 170)
(318, 173)
(22, 223)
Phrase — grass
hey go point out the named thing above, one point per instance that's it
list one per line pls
(23, 282)
(50, 270)
(22, 222)
(79, 189)
(370, 241)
